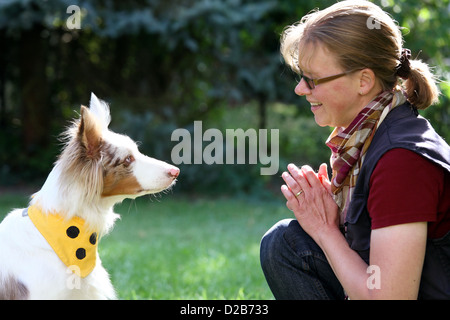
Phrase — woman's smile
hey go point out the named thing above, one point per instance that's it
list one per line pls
(315, 106)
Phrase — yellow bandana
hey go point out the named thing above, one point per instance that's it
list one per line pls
(69, 239)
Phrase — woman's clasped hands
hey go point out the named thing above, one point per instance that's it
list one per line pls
(309, 196)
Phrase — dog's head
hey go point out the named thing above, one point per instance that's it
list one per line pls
(107, 164)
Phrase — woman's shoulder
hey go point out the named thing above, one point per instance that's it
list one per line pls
(403, 128)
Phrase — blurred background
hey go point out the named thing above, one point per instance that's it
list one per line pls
(161, 65)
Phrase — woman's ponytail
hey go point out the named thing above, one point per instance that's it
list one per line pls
(420, 85)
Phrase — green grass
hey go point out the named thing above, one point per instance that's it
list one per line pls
(174, 247)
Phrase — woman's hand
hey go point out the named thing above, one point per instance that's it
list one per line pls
(309, 196)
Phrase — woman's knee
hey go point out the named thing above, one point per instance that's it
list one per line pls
(285, 240)
(272, 243)
(294, 265)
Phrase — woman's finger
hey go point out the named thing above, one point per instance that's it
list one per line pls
(311, 177)
(323, 176)
(299, 177)
(292, 183)
(292, 202)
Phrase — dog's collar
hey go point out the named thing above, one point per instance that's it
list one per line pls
(70, 239)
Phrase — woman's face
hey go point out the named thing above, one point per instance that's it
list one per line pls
(334, 103)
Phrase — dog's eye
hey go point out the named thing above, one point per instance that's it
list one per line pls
(128, 160)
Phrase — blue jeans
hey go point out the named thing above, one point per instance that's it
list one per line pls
(294, 265)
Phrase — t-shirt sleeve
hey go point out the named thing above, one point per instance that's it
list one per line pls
(404, 188)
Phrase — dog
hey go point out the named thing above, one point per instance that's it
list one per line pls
(49, 249)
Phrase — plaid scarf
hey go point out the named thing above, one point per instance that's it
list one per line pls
(349, 145)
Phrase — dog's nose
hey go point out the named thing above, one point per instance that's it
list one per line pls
(174, 172)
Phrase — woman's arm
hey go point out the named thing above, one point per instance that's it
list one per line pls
(396, 257)
(397, 252)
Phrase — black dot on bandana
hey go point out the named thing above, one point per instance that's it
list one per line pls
(72, 232)
(93, 238)
(81, 253)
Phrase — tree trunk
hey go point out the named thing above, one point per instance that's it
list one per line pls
(34, 91)
(2, 79)
(262, 104)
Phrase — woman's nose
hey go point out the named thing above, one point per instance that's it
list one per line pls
(302, 88)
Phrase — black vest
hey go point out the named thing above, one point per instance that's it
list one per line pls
(402, 128)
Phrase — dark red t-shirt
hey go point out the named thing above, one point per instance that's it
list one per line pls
(406, 187)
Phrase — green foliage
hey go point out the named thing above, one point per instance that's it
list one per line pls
(163, 64)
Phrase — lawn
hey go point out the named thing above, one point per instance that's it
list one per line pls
(174, 247)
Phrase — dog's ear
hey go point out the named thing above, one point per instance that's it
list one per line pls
(89, 134)
(100, 109)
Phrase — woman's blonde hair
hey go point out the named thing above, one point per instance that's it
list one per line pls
(362, 35)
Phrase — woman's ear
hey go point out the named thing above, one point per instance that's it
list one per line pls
(367, 81)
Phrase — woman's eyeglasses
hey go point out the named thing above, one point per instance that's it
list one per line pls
(312, 83)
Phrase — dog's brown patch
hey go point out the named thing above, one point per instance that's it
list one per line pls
(122, 186)
(118, 178)
(12, 289)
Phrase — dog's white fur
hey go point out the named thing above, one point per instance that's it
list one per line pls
(96, 169)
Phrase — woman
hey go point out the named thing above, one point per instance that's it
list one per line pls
(379, 229)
